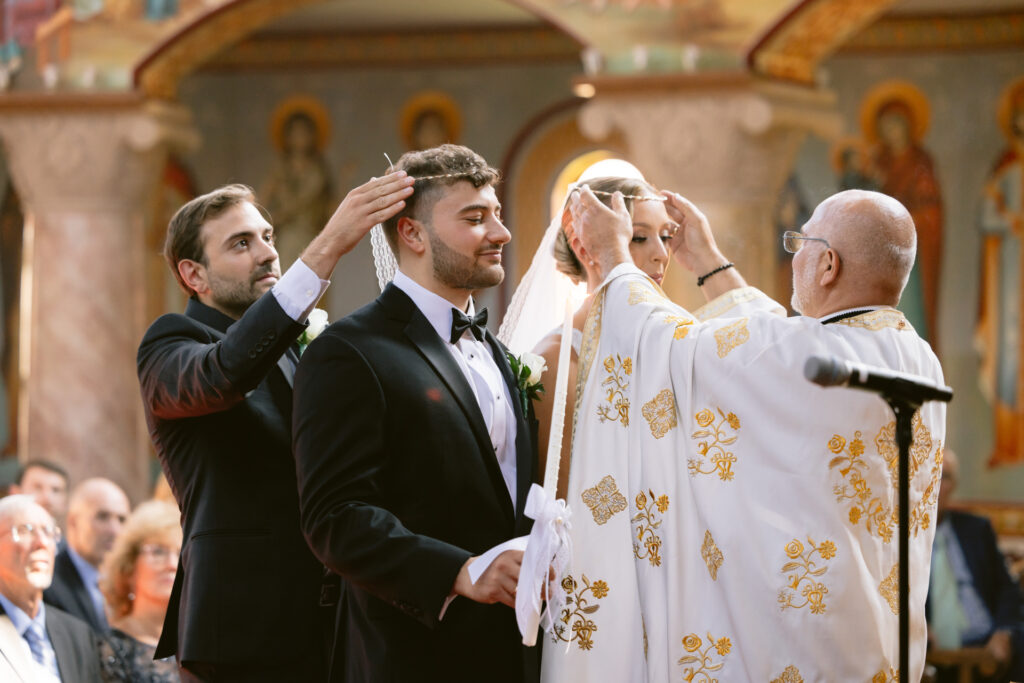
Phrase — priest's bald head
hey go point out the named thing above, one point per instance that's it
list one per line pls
(858, 251)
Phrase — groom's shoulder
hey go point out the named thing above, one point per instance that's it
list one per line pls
(364, 325)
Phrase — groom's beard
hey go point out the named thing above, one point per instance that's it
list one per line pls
(460, 271)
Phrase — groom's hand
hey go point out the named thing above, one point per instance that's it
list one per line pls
(371, 203)
(496, 584)
(605, 233)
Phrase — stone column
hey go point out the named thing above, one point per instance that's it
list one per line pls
(727, 145)
(86, 171)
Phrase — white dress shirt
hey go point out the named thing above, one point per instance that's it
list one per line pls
(298, 290)
(477, 363)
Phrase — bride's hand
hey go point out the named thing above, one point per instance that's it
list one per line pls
(692, 245)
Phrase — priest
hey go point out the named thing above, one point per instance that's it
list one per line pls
(733, 521)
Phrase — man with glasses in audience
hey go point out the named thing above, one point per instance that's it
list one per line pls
(37, 642)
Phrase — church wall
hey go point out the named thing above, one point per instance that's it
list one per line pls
(964, 141)
(233, 110)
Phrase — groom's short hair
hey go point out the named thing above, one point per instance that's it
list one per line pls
(454, 163)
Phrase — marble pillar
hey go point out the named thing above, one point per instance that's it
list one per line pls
(728, 146)
(86, 174)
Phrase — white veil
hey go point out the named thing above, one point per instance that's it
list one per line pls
(538, 305)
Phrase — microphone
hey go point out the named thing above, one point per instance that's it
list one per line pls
(832, 372)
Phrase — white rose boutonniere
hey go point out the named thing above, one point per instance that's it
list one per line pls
(528, 369)
(317, 324)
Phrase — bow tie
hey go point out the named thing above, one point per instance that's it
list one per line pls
(462, 322)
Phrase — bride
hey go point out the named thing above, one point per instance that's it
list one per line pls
(562, 269)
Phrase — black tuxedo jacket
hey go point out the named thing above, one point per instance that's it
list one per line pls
(399, 486)
(217, 396)
(74, 643)
(68, 593)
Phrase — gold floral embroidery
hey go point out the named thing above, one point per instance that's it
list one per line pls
(890, 589)
(618, 370)
(804, 570)
(728, 301)
(714, 441)
(702, 662)
(878, 320)
(920, 448)
(883, 676)
(732, 335)
(878, 519)
(647, 543)
(643, 293)
(604, 500)
(577, 610)
(660, 413)
(713, 557)
(790, 675)
(682, 324)
(920, 514)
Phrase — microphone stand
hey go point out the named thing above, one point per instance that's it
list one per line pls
(904, 411)
(904, 405)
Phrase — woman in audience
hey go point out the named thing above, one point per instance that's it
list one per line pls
(136, 579)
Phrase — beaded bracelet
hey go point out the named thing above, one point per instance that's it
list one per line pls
(719, 269)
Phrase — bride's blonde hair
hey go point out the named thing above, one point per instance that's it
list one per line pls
(566, 259)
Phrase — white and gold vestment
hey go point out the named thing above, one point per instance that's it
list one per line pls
(733, 521)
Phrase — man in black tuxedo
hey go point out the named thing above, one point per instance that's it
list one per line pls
(97, 510)
(216, 386)
(37, 641)
(972, 600)
(413, 454)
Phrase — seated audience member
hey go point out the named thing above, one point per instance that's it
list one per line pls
(96, 511)
(37, 642)
(47, 483)
(972, 601)
(136, 579)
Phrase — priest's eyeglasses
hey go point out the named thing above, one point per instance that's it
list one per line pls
(792, 241)
(26, 532)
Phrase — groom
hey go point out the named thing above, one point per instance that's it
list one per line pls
(413, 454)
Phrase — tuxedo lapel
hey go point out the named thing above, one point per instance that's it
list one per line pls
(524, 452)
(424, 337)
(440, 359)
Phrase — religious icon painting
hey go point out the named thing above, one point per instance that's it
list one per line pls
(894, 117)
(430, 118)
(999, 316)
(299, 189)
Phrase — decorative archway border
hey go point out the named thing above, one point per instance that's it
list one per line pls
(792, 49)
(543, 146)
(162, 69)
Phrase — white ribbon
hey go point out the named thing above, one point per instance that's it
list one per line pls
(549, 549)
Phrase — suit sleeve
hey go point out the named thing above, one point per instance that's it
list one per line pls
(185, 373)
(1005, 595)
(338, 430)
